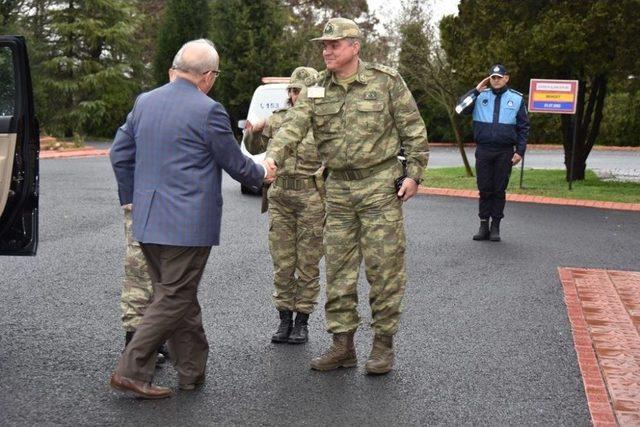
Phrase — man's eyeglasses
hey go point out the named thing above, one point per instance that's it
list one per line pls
(215, 72)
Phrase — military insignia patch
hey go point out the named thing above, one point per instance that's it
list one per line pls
(485, 102)
(510, 103)
(302, 74)
(328, 29)
(370, 95)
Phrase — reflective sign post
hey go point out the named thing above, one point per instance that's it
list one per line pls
(556, 97)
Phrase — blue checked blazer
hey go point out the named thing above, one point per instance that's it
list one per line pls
(168, 159)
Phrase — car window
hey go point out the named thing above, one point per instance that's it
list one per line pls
(7, 83)
(7, 110)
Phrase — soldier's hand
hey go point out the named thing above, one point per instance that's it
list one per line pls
(483, 84)
(258, 126)
(516, 159)
(270, 166)
(408, 189)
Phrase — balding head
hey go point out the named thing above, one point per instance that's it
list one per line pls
(197, 61)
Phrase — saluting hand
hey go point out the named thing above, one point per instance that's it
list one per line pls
(408, 189)
(483, 84)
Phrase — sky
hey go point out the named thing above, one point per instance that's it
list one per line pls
(386, 9)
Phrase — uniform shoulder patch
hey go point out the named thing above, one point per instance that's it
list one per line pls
(515, 91)
(385, 69)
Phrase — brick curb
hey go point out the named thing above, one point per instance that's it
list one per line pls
(601, 309)
(85, 152)
(473, 194)
(543, 147)
(596, 392)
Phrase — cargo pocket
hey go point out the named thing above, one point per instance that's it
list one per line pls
(369, 115)
(327, 117)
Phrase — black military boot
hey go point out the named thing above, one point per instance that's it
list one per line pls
(284, 329)
(494, 234)
(300, 331)
(483, 232)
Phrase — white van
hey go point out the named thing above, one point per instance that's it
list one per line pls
(270, 96)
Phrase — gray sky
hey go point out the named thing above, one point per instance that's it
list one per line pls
(386, 9)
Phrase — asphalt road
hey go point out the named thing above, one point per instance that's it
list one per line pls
(620, 165)
(485, 337)
(609, 164)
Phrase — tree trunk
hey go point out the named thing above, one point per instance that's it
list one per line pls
(588, 118)
(456, 131)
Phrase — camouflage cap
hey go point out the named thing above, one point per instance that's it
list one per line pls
(302, 77)
(339, 28)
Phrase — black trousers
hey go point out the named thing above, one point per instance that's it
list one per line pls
(173, 316)
(493, 169)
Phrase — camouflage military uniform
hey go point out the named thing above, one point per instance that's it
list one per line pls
(137, 290)
(296, 218)
(359, 132)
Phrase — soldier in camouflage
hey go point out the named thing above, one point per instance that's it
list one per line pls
(361, 115)
(137, 290)
(296, 218)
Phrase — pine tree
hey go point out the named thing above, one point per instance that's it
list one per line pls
(183, 20)
(249, 38)
(89, 71)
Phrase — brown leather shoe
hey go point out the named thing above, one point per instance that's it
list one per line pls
(382, 357)
(139, 388)
(341, 354)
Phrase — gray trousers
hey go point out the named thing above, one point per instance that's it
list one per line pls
(173, 316)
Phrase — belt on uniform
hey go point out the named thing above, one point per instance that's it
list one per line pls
(290, 183)
(355, 174)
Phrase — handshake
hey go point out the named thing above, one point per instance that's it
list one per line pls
(271, 169)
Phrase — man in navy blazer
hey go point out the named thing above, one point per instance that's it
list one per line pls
(168, 159)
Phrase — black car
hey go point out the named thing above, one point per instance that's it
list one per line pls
(19, 151)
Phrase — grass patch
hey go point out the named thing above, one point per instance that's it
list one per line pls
(542, 182)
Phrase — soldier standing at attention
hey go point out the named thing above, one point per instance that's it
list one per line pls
(500, 123)
(361, 115)
(296, 217)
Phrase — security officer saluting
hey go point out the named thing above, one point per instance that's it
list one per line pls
(361, 115)
(500, 123)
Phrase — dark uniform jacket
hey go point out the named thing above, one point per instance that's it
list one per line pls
(499, 119)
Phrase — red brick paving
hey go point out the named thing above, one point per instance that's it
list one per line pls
(473, 194)
(604, 311)
(84, 152)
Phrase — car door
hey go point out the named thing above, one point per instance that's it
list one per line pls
(19, 150)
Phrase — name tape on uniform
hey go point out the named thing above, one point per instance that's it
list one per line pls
(315, 92)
